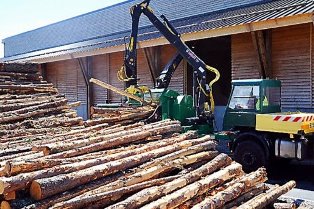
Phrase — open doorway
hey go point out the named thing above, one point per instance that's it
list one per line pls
(215, 52)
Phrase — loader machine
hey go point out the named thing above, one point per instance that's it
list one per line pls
(256, 129)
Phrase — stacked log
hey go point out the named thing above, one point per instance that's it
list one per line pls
(122, 115)
(50, 158)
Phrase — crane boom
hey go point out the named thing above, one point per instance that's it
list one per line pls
(203, 90)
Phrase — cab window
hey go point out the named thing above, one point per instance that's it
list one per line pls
(244, 97)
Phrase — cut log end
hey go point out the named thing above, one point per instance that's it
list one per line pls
(2, 186)
(5, 205)
(46, 151)
(35, 191)
(10, 196)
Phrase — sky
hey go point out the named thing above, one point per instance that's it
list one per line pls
(18, 16)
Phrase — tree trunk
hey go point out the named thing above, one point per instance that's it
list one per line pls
(42, 188)
(14, 168)
(197, 188)
(139, 199)
(101, 192)
(107, 136)
(257, 190)
(116, 141)
(268, 197)
(233, 191)
(116, 193)
(48, 202)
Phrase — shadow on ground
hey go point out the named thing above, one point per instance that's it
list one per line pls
(303, 174)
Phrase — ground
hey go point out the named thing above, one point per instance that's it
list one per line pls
(303, 174)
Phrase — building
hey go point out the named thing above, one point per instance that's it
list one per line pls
(241, 38)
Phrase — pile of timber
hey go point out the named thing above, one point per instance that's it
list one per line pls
(50, 158)
(31, 107)
(132, 166)
(122, 115)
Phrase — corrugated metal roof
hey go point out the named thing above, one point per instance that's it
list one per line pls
(187, 24)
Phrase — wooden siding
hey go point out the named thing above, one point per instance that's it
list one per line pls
(291, 63)
(244, 62)
(100, 70)
(65, 75)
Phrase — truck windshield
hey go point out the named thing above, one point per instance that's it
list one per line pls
(244, 97)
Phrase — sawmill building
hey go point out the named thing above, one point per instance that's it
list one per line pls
(241, 38)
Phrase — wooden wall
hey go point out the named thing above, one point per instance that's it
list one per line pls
(67, 77)
(291, 63)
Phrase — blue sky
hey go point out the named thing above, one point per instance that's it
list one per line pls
(18, 16)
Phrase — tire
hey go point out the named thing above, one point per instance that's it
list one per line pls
(250, 155)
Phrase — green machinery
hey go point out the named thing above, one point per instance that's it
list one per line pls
(254, 125)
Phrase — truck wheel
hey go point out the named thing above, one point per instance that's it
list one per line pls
(250, 155)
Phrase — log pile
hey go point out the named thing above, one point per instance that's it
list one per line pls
(31, 108)
(50, 158)
(133, 166)
(122, 115)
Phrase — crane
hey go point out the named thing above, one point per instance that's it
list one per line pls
(128, 72)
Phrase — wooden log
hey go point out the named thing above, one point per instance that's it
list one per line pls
(48, 202)
(14, 168)
(116, 141)
(17, 106)
(139, 199)
(233, 191)
(22, 76)
(94, 122)
(174, 155)
(255, 191)
(118, 192)
(10, 196)
(54, 103)
(16, 204)
(42, 188)
(268, 197)
(107, 134)
(197, 188)
(284, 205)
(27, 88)
(22, 180)
(12, 151)
(101, 193)
(12, 118)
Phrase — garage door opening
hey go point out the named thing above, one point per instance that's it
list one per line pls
(215, 52)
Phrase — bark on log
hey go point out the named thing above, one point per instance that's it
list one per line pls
(16, 204)
(48, 202)
(10, 196)
(117, 141)
(17, 106)
(233, 191)
(197, 188)
(174, 155)
(257, 190)
(106, 135)
(269, 197)
(101, 192)
(117, 193)
(42, 188)
(11, 118)
(139, 199)
(22, 76)
(14, 168)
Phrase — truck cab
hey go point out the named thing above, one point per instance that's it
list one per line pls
(259, 132)
(248, 98)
